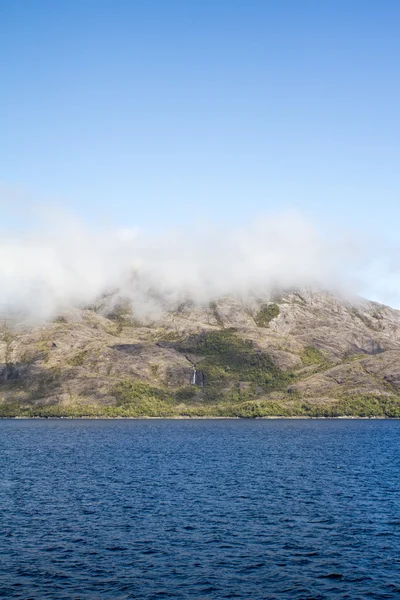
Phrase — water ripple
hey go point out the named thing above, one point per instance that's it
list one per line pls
(120, 510)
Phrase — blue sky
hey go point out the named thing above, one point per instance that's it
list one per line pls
(157, 113)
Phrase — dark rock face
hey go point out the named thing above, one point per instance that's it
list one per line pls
(8, 372)
(393, 378)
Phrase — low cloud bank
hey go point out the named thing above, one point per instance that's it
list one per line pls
(65, 264)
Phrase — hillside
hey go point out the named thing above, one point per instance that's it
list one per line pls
(299, 353)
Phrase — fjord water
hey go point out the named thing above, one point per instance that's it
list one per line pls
(199, 509)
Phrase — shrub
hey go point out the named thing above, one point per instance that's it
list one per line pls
(312, 356)
(79, 358)
(266, 314)
(186, 393)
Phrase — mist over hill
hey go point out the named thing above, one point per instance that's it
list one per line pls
(293, 352)
(202, 320)
(61, 264)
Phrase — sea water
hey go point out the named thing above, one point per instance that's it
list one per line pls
(142, 509)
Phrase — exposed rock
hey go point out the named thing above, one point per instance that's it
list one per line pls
(320, 348)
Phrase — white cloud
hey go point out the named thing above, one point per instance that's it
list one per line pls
(66, 264)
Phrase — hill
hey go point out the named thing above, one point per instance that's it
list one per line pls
(300, 353)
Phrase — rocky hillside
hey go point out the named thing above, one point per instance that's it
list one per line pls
(299, 353)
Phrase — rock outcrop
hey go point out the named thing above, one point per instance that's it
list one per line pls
(291, 353)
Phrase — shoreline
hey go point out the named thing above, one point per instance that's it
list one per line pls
(210, 418)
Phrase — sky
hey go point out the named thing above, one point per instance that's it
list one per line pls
(155, 114)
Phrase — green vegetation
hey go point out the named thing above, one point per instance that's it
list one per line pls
(266, 313)
(155, 403)
(122, 316)
(35, 354)
(135, 390)
(168, 336)
(186, 393)
(79, 358)
(312, 356)
(229, 360)
(154, 369)
(141, 399)
(358, 406)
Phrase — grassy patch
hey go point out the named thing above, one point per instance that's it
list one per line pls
(154, 367)
(312, 356)
(167, 336)
(79, 358)
(265, 315)
(141, 399)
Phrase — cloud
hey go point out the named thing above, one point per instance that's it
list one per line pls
(64, 263)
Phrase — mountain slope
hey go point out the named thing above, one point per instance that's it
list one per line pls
(299, 353)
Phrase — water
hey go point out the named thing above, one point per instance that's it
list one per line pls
(199, 509)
